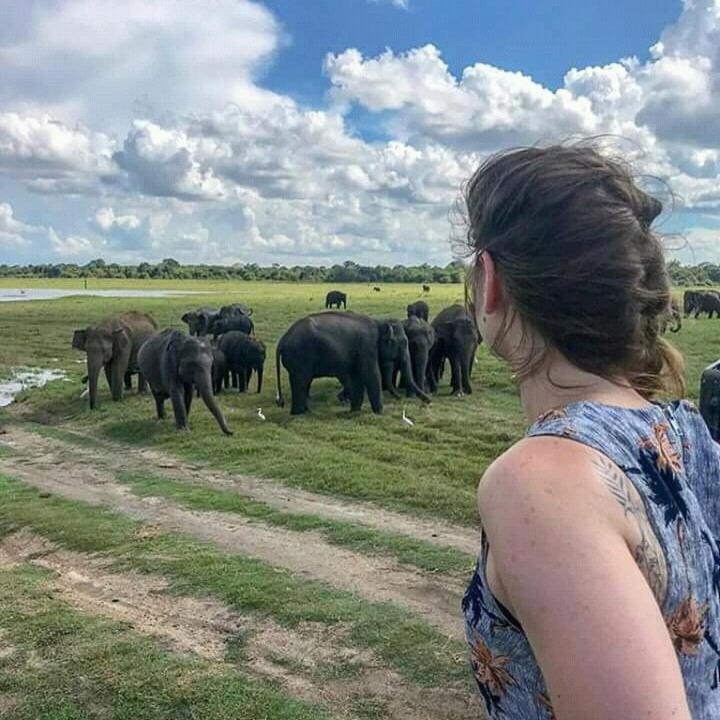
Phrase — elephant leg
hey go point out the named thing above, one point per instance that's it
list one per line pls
(299, 386)
(159, 405)
(108, 375)
(142, 384)
(456, 375)
(373, 385)
(234, 379)
(128, 380)
(188, 397)
(178, 404)
(352, 392)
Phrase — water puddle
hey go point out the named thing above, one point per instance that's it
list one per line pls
(25, 379)
(21, 294)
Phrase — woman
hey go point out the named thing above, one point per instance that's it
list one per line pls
(597, 590)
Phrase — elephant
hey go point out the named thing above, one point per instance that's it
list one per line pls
(235, 309)
(174, 363)
(113, 344)
(358, 350)
(706, 302)
(689, 300)
(221, 325)
(426, 288)
(335, 298)
(418, 309)
(198, 321)
(421, 337)
(377, 289)
(456, 339)
(243, 355)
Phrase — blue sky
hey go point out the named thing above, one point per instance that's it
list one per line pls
(319, 131)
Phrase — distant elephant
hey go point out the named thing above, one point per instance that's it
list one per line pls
(235, 309)
(418, 309)
(358, 350)
(421, 338)
(243, 355)
(113, 345)
(456, 339)
(174, 363)
(377, 289)
(198, 321)
(335, 298)
(222, 325)
(706, 302)
(689, 300)
(426, 288)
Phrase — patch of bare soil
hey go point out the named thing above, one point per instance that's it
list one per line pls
(298, 659)
(302, 502)
(51, 468)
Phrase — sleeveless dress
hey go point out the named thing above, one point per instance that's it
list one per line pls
(669, 456)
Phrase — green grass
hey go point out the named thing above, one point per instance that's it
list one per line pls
(399, 639)
(94, 668)
(423, 555)
(430, 469)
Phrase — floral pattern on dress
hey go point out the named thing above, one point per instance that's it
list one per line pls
(686, 625)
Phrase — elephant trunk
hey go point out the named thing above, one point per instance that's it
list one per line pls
(93, 369)
(411, 384)
(260, 378)
(678, 323)
(204, 386)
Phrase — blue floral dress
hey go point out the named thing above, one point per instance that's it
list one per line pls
(667, 453)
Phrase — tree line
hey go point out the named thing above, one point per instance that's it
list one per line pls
(170, 269)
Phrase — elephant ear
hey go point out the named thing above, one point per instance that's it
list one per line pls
(186, 317)
(80, 339)
(172, 355)
(120, 340)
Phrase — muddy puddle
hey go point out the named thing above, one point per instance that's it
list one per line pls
(24, 379)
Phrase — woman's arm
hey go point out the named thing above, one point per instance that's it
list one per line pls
(561, 560)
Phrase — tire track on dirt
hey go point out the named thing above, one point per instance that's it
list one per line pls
(204, 627)
(293, 500)
(59, 468)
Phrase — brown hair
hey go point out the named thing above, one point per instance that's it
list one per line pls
(569, 231)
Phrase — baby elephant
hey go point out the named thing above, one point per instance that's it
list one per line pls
(243, 354)
(173, 364)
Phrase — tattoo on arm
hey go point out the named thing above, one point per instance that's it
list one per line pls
(648, 554)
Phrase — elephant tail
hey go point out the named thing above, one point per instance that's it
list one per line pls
(279, 399)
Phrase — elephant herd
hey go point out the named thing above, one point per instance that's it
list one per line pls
(367, 355)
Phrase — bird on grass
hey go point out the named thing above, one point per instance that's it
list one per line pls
(260, 414)
(406, 419)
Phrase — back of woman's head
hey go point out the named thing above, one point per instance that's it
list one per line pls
(569, 232)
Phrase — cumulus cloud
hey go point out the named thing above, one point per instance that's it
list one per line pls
(100, 61)
(49, 156)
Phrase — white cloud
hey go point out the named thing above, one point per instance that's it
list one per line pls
(99, 60)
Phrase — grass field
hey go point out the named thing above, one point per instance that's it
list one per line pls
(305, 567)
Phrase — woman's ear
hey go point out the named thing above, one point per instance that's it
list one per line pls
(492, 295)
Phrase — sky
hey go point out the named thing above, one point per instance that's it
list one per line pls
(315, 132)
